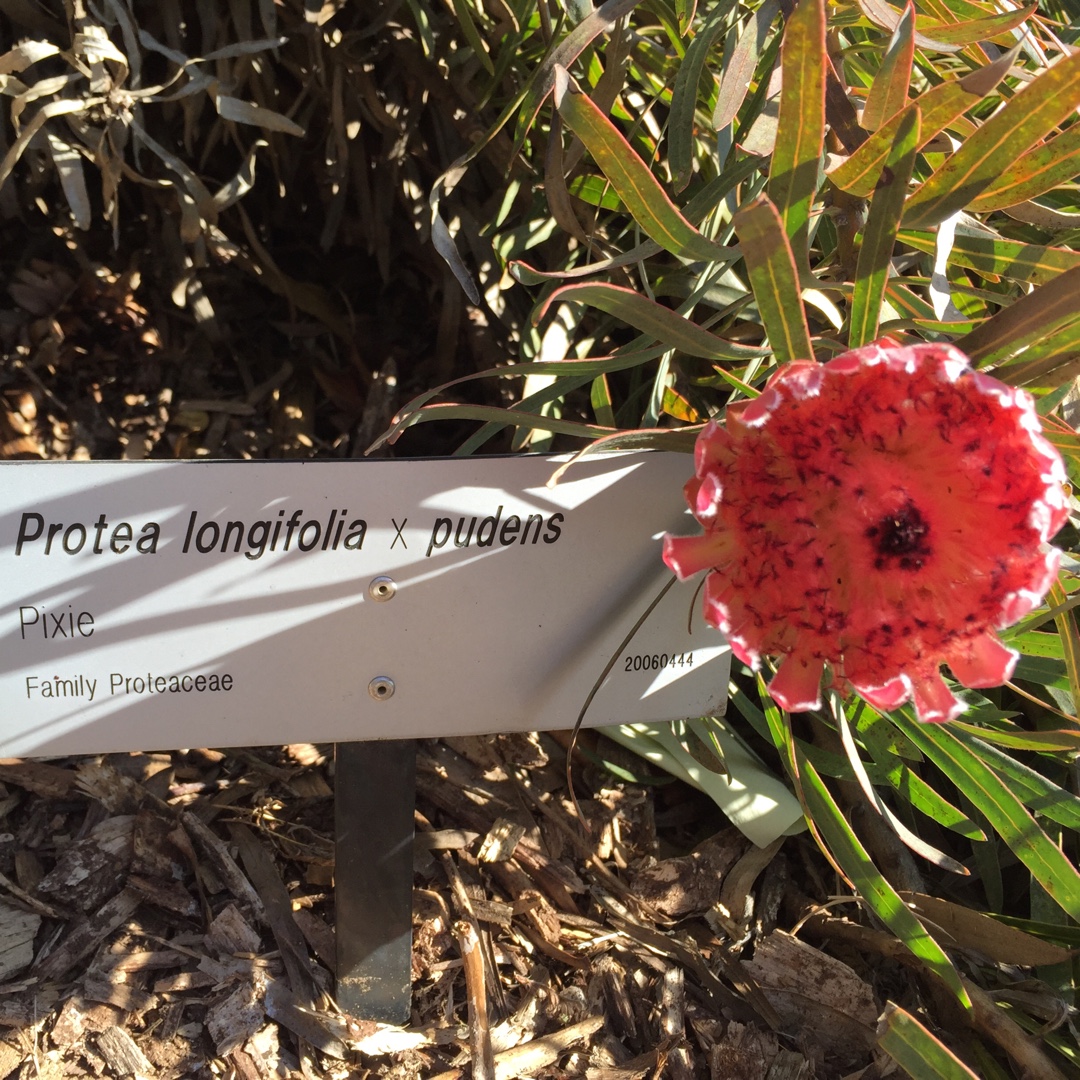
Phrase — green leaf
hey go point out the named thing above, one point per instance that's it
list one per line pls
(879, 233)
(1029, 116)
(1040, 170)
(472, 36)
(651, 318)
(800, 131)
(684, 96)
(889, 90)
(639, 190)
(1027, 319)
(859, 869)
(973, 30)
(775, 280)
(954, 756)
(916, 1050)
(940, 106)
(685, 10)
(992, 257)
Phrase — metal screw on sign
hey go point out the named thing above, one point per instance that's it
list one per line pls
(382, 588)
(381, 688)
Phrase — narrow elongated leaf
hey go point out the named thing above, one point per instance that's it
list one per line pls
(881, 14)
(505, 417)
(744, 60)
(1040, 170)
(940, 106)
(879, 234)
(953, 755)
(800, 132)
(1029, 116)
(889, 90)
(600, 21)
(1041, 741)
(651, 318)
(911, 839)
(1031, 317)
(684, 96)
(774, 279)
(916, 1050)
(639, 190)
(865, 877)
(970, 31)
(993, 257)
(584, 370)
(684, 11)
(472, 35)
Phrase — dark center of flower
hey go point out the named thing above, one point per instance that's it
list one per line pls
(901, 535)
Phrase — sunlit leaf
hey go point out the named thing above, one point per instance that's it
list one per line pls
(1029, 116)
(638, 189)
(951, 752)
(889, 90)
(917, 1051)
(940, 106)
(971, 31)
(800, 132)
(1031, 317)
(653, 319)
(990, 256)
(879, 234)
(1040, 170)
(775, 280)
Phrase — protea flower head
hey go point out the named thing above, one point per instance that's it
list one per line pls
(882, 513)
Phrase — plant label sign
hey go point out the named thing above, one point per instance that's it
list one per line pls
(160, 605)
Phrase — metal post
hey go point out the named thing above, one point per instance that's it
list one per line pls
(374, 802)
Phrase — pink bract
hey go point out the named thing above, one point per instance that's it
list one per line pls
(883, 513)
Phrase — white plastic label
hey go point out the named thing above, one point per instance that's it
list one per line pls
(148, 605)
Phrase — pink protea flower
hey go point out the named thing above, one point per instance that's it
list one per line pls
(884, 513)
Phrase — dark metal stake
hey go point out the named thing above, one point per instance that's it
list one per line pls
(374, 801)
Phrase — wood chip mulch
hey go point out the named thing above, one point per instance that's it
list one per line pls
(172, 915)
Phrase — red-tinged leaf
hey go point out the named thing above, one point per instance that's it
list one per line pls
(638, 189)
(601, 21)
(881, 14)
(889, 90)
(774, 279)
(800, 132)
(1031, 317)
(659, 322)
(906, 301)
(916, 1050)
(940, 107)
(974, 30)
(993, 257)
(879, 233)
(1040, 170)
(744, 60)
(1025, 119)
